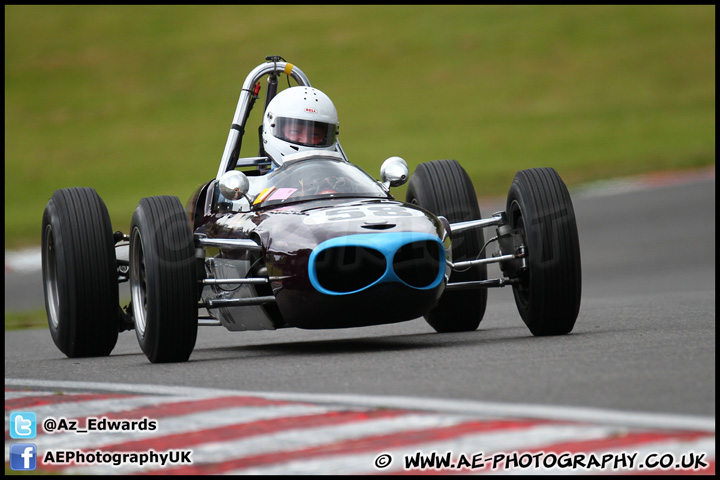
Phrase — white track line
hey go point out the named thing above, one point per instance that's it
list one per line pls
(485, 409)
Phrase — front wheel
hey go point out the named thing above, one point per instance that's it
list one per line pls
(445, 189)
(163, 280)
(79, 273)
(548, 291)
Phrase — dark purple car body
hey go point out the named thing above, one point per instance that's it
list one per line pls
(346, 257)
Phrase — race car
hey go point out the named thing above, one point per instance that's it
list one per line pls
(299, 236)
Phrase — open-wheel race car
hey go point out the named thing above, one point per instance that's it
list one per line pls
(300, 237)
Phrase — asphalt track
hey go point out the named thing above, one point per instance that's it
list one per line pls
(643, 347)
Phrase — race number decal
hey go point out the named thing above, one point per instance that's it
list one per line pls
(364, 213)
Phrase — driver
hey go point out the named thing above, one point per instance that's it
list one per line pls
(303, 133)
(299, 119)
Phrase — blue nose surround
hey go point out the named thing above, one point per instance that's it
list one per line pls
(373, 260)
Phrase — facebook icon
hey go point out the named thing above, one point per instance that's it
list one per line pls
(23, 456)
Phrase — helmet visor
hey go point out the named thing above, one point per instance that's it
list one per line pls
(304, 132)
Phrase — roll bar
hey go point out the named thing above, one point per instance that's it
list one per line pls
(272, 67)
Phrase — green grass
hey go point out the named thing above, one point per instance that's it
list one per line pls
(39, 471)
(138, 100)
(31, 319)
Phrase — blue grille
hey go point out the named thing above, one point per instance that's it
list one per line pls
(353, 263)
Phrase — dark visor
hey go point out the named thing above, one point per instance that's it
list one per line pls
(304, 132)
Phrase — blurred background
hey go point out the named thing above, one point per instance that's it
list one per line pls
(138, 100)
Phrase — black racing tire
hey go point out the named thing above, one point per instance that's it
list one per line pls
(163, 280)
(79, 271)
(444, 188)
(548, 295)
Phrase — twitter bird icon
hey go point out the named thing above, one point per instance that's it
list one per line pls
(23, 425)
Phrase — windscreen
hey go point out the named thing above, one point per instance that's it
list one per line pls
(310, 179)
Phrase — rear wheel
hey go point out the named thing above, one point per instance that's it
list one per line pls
(80, 273)
(549, 289)
(445, 189)
(163, 280)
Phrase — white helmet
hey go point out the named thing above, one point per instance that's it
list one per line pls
(299, 119)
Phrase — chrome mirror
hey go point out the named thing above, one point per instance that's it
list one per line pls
(394, 172)
(234, 185)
